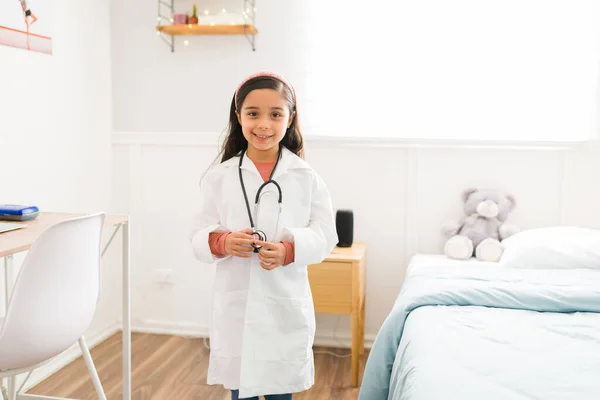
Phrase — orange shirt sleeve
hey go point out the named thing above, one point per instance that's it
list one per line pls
(216, 241)
(289, 252)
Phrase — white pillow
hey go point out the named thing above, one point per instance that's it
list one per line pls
(553, 247)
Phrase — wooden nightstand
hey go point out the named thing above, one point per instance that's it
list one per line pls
(338, 287)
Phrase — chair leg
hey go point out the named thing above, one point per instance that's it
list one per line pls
(91, 368)
(12, 388)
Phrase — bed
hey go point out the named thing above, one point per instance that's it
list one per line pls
(471, 330)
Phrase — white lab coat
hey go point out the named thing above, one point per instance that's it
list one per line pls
(263, 322)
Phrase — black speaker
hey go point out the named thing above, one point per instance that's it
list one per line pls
(344, 224)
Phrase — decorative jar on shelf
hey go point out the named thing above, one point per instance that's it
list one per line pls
(180, 18)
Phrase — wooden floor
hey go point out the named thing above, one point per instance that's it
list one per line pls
(174, 368)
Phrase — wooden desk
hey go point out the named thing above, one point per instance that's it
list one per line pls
(338, 287)
(19, 240)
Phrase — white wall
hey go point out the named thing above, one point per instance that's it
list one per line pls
(55, 125)
(190, 89)
(400, 192)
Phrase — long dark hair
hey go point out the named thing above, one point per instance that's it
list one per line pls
(235, 142)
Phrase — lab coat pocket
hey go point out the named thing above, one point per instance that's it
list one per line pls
(286, 329)
(228, 323)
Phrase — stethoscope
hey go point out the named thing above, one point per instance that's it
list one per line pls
(260, 235)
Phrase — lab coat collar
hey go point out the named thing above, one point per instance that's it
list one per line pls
(288, 161)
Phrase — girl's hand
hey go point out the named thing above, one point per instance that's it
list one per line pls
(271, 255)
(239, 244)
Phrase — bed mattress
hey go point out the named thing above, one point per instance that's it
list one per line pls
(472, 330)
(422, 261)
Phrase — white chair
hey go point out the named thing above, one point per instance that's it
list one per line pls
(53, 301)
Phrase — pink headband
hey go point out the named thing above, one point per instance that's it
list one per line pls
(265, 73)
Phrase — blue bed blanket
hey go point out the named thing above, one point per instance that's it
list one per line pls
(439, 299)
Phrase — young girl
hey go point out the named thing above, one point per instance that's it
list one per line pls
(265, 215)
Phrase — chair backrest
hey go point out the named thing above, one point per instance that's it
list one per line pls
(55, 294)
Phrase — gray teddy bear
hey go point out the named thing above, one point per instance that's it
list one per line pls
(480, 232)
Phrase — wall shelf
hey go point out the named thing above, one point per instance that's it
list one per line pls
(242, 23)
(207, 29)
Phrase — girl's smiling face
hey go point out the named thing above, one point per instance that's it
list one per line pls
(264, 117)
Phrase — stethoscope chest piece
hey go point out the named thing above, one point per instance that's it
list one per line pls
(258, 235)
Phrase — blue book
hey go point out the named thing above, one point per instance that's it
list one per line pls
(16, 212)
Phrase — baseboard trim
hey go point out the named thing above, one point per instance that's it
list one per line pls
(188, 329)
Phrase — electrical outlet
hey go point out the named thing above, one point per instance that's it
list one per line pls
(163, 276)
